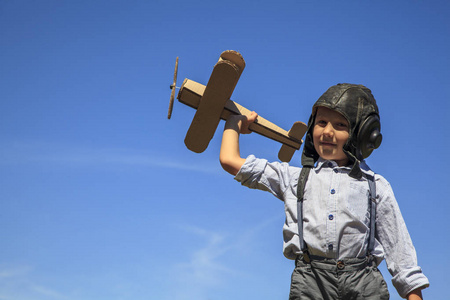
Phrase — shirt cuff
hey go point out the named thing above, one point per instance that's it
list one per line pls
(246, 168)
(410, 280)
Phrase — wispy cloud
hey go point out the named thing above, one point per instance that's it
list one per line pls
(16, 283)
(203, 269)
(206, 260)
(8, 272)
(81, 156)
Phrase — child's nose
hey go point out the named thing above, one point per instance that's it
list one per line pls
(328, 130)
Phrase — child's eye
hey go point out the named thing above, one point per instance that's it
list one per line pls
(342, 125)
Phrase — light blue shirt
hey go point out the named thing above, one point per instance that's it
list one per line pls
(336, 216)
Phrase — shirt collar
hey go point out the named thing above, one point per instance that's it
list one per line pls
(323, 163)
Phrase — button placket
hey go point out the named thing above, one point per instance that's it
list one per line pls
(331, 209)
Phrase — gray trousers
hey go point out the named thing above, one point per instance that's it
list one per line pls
(328, 279)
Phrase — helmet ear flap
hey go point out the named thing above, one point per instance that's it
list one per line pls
(369, 136)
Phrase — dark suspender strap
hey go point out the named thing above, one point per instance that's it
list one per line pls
(373, 209)
(300, 193)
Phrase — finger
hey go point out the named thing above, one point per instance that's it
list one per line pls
(252, 117)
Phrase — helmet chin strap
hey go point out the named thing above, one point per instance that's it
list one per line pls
(355, 171)
(308, 161)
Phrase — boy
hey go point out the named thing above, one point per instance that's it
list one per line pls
(350, 218)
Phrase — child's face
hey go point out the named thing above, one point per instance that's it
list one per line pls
(330, 133)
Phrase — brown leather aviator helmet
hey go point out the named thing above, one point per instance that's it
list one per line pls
(357, 104)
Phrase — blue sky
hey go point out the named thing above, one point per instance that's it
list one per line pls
(99, 197)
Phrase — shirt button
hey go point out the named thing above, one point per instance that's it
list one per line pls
(333, 191)
(330, 247)
(330, 217)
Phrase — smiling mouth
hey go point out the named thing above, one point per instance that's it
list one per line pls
(327, 144)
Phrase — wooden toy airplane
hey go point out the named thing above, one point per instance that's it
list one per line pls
(213, 103)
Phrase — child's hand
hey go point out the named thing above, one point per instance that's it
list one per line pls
(240, 123)
(246, 121)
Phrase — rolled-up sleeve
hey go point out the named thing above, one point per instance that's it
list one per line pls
(400, 254)
(272, 177)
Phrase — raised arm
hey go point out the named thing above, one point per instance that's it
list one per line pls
(230, 157)
(415, 295)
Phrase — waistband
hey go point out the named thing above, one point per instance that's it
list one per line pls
(331, 264)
